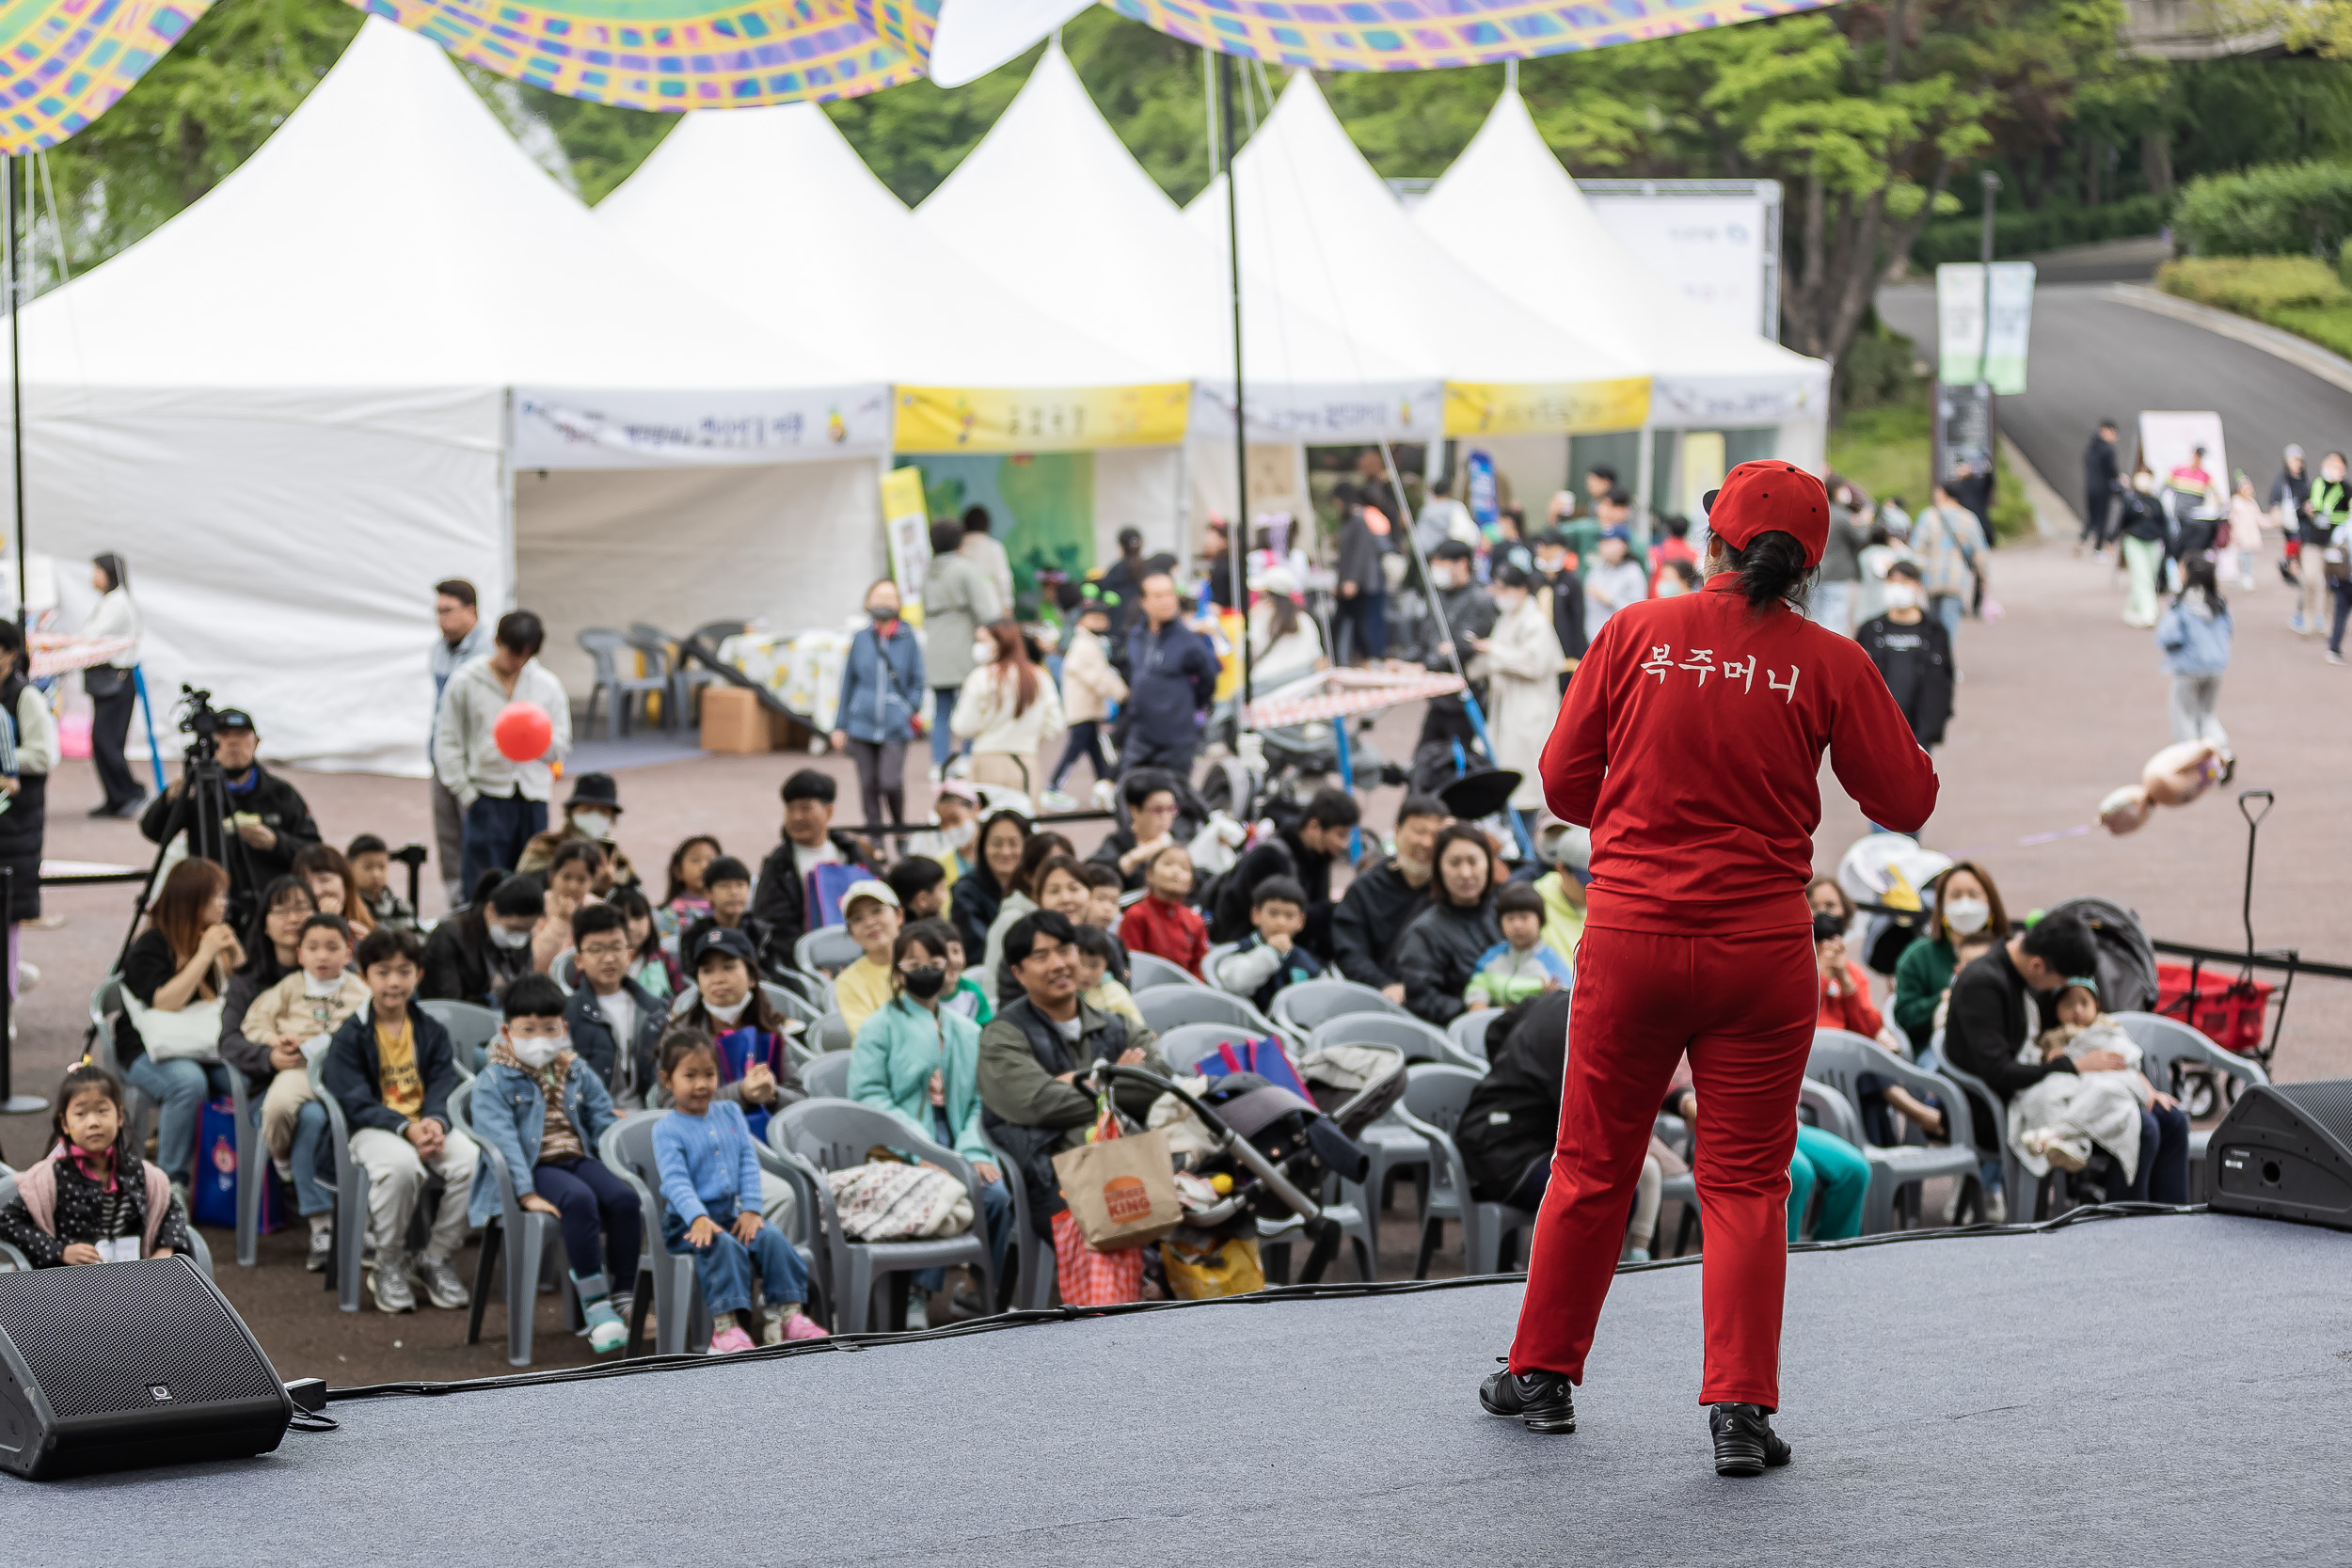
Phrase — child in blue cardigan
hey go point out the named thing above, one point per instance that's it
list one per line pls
(710, 1203)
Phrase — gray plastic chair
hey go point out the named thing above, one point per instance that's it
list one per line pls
(351, 1200)
(676, 1290)
(1420, 1041)
(787, 1001)
(471, 1028)
(1469, 1033)
(1977, 1100)
(1839, 1059)
(1307, 1005)
(12, 1259)
(1435, 1093)
(834, 1134)
(139, 1109)
(826, 951)
(659, 652)
(826, 1075)
(2167, 1043)
(1032, 1254)
(607, 648)
(1209, 961)
(1165, 1007)
(1149, 971)
(1183, 1047)
(532, 1244)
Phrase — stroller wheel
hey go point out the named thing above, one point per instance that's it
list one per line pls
(2231, 1089)
(2199, 1095)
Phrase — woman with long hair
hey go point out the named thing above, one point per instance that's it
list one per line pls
(1440, 949)
(167, 1036)
(112, 690)
(1020, 899)
(1691, 744)
(978, 895)
(1007, 709)
(2195, 632)
(1966, 902)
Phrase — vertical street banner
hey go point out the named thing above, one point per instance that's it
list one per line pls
(1962, 357)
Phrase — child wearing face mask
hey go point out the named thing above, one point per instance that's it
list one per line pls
(295, 1018)
(747, 1033)
(542, 1109)
(1915, 654)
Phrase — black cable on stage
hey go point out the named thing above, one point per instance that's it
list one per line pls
(848, 1343)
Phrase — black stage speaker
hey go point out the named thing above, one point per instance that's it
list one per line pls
(111, 1366)
(2285, 1151)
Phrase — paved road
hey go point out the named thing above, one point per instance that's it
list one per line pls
(2094, 357)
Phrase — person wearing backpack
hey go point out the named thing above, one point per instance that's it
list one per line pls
(2195, 634)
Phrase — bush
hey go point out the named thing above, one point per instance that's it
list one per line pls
(2271, 210)
(2255, 286)
(1877, 369)
(2024, 234)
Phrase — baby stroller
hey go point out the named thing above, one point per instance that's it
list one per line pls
(1276, 1148)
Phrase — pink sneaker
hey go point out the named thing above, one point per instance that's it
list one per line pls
(729, 1340)
(800, 1326)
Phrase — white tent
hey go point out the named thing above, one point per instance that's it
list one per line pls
(772, 207)
(301, 402)
(1316, 219)
(1509, 212)
(1052, 206)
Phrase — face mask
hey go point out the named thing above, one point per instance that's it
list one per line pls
(1967, 916)
(1506, 603)
(726, 1015)
(502, 937)
(882, 614)
(537, 1053)
(984, 653)
(925, 983)
(961, 835)
(1901, 596)
(313, 985)
(595, 824)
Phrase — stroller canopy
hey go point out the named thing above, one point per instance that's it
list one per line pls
(2127, 965)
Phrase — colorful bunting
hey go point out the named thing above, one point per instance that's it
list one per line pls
(65, 62)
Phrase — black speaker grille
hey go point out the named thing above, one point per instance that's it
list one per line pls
(103, 1337)
(2326, 1100)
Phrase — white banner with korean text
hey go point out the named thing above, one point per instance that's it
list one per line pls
(582, 428)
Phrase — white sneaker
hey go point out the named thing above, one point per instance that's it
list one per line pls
(1054, 800)
(938, 774)
(388, 1284)
(322, 1254)
(442, 1287)
(28, 977)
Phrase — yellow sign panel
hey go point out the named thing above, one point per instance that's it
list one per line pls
(1546, 408)
(1053, 418)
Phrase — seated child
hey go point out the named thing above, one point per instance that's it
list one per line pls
(371, 864)
(2059, 1119)
(1270, 958)
(327, 875)
(963, 995)
(1520, 965)
(870, 912)
(921, 886)
(295, 1018)
(392, 1068)
(730, 884)
(1102, 911)
(709, 1170)
(651, 965)
(92, 1199)
(687, 900)
(1163, 922)
(542, 1109)
(1096, 988)
(747, 1034)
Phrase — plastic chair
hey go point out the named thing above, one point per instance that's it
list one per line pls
(1149, 971)
(2167, 1045)
(834, 1134)
(1435, 1093)
(565, 971)
(1034, 1271)
(659, 650)
(139, 1108)
(536, 1250)
(1355, 1225)
(1469, 1033)
(253, 1175)
(1209, 961)
(826, 1076)
(1185, 1046)
(1309, 1004)
(1838, 1060)
(16, 1259)
(677, 1301)
(833, 1035)
(1420, 1041)
(1980, 1101)
(1165, 1007)
(826, 951)
(471, 1028)
(606, 648)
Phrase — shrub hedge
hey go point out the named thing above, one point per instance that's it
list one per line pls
(2024, 234)
(2271, 209)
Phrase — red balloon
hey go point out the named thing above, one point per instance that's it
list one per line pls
(522, 731)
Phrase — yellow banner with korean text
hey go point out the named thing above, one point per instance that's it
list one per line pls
(1546, 408)
(1033, 418)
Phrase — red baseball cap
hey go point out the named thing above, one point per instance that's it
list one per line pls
(1771, 497)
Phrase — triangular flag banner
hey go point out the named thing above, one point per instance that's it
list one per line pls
(65, 62)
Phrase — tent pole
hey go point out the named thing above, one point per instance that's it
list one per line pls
(16, 387)
(1236, 537)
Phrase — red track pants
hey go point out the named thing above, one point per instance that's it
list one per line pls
(1743, 1008)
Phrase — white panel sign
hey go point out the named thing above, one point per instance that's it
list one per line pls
(1710, 249)
(1322, 416)
(573, 428)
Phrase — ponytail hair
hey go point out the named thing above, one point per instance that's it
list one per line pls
(1772, 567)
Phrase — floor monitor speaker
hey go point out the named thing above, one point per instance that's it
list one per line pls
(2285, 1151)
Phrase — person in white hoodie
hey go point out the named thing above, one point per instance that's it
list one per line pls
(505, 801)
(1090, 686)
(1007, 709)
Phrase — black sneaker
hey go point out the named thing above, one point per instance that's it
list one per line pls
(1543, 1401)
(1746, 1444)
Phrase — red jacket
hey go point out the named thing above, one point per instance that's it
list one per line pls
(1172, 932)
(1848, 1006)
(1691, 744)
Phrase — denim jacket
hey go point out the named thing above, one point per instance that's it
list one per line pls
(2195, 637)
(881, 687)
(510, 1114)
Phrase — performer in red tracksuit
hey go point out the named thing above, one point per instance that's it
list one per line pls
(1689, 743)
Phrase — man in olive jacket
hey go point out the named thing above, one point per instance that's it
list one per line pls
(1035, 1055)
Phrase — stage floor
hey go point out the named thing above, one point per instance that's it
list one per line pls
(2150, 1391)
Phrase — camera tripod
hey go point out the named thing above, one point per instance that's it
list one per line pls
(211, 835)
